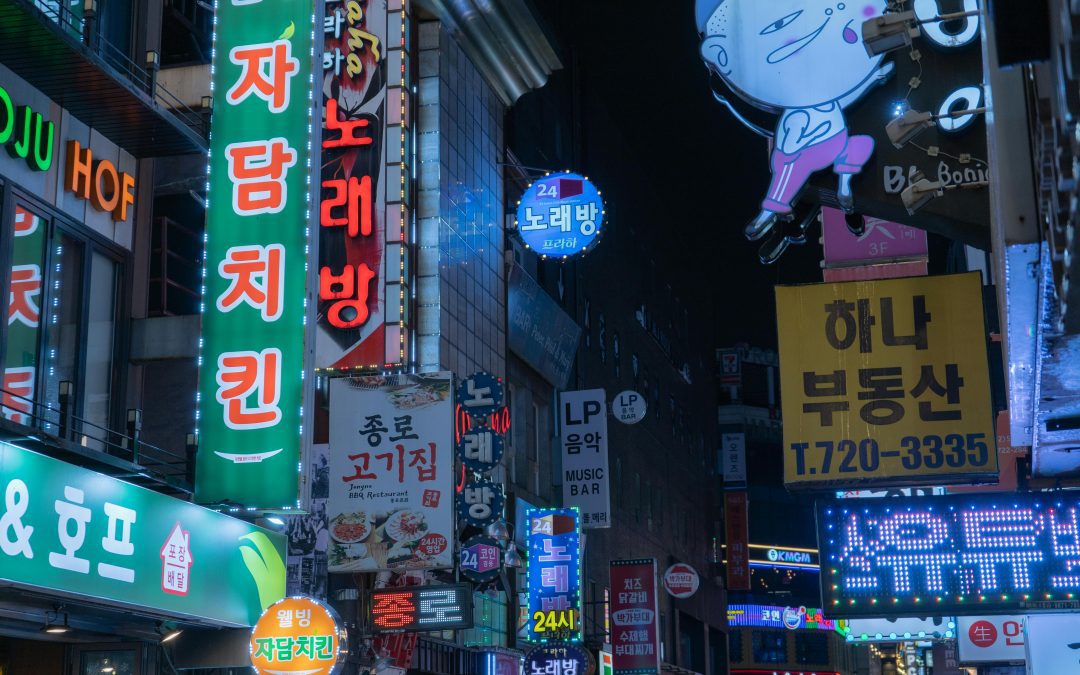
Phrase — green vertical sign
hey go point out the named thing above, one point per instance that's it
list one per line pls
(66, 528)
(251, 368)
(24, 309)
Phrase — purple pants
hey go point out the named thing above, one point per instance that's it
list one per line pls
(790, 172)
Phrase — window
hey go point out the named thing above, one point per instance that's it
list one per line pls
(534, 444)
(637, 496)
(603, 338)
(811, 648)
(735, 646)
(769, 646)
(489, 614)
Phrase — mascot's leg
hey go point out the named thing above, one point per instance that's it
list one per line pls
(856, 154)
(765, 221)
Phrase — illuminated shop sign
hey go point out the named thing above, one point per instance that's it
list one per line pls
(560, 215)
(772, 556)
(299, 636)
(25, 133)
(791, 618)
(554, 575)
(909, 628)
(421, 608)
(254, 319)
(946, 554)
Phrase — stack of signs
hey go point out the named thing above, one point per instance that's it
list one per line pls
(554, 575)
(480, 449)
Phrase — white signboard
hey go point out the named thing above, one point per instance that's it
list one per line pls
(1053, 644)
(583, 419)
(629, 407)
(991, 639)
(733, 456)
(391, 504)
(891, 630)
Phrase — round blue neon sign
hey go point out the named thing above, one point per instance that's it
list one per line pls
(560, 215)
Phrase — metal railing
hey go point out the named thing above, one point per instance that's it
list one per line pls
(84, 28)
(149, 462)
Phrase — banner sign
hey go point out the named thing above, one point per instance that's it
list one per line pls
(681, 581)
(538, 330)
(391, 503)
(558, 658)
(1053, 643)
(893, 629)
(421, 608)
(737, 529)
(299, 636)
(962, 553)
(583, 420)
(770, 556)
(733, 457)
(560, 215)
(991, 639)
(68, 529)
(554, 575)
(946, 659)
(20, 367)
(885, 381)
(635, 617)
(251, 378)
(365, 192)
(791, 618)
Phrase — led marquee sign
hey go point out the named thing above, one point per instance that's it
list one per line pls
(421, 608)
(945, 554)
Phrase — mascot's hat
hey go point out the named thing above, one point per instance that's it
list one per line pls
(704, 10)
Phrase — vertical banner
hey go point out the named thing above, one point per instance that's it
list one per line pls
(255, 295)
(885, 382)
(635, 631)
(733, 457)
(737, 531)
(25, 298)
(583, 420)
(554, 575)
(364, 189)
(391, 504)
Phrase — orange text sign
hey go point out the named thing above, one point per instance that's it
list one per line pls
(297, 635)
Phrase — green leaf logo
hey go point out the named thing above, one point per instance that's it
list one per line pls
(288, 32)
(266, 567)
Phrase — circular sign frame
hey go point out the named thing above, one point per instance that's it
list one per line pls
(482, 380)
(567, 196)
(280, 624)
(475, 575)
(683, 570)
(629, 401)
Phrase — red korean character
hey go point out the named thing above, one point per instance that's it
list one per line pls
(266, 69)
(424, 461)
(355, 195)
(348, 129)
(351, 290)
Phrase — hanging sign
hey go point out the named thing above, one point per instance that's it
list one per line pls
(297, 636)
(560, 215)
(481, 557)
(410, 609)
(629, 407)
(251, 381)
(681, 581)
(480, 395)
(737, 529)
(554, 575)
(559, 658)
(583, 420)
(733, 457)
(635, 617)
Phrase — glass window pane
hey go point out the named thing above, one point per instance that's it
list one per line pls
(63, 316)
(100, 332)
(117, 662)
(22, 352)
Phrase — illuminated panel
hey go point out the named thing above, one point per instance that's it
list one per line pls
(791, 618)
(945, 554)
(554, 574)
(422, 608)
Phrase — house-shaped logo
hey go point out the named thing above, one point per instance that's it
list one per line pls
(176, 562)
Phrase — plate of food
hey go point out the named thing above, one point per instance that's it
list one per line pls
(350, 528)
(406, 526)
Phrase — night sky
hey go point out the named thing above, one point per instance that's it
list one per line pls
(664, 149)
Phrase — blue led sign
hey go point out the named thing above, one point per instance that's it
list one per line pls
(554, 575)
(560, 215)
(954, 553)
(791, 618)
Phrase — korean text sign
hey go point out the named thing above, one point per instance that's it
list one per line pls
(364, 187)
(737, 530)
(560, 215)
(885, 381)
(585, 455)
(951, 553)
(991, 639)
(297, 635)
(24, 309)
(391, 503)
(254, 301)
(791, 618)
(554, 575)
(634, 617)
(64, 527)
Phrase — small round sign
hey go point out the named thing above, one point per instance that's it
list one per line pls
(541, 659)
(681, 580)
(480, 449)
(480, 502)
(629, 407)
(480, 394)
(560, 215)
(297, 635)
(481, 558)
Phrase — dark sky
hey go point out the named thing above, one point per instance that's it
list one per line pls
(664, 149)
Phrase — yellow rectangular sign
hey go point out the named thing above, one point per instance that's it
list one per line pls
(885, 382)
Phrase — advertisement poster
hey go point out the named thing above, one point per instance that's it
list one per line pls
(634, 617)
(391, 504)
(585, 455)
(554, 575)
(308, 534)
(991, 639)
(885, 382)
(737, 529)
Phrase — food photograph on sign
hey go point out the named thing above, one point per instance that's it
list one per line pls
(391, 457)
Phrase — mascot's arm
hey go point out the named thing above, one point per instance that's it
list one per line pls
(753, 118)
(874, 79)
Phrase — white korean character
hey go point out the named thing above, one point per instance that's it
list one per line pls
(585, 215)
(303, 617)
(478, 446)
(479, 501)
(536, 220)
(332, 61)
(118, 543)
(560, 217)
(285, 618)
(70, 512)
(332, 23)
